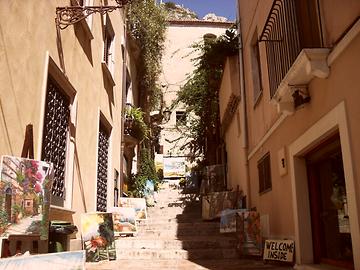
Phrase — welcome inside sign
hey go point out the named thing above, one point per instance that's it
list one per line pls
(279, 250)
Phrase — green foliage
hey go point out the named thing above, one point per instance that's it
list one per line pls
(3, 219)
(147, 24)
(137, 183)
(139, 129)
(200, 93)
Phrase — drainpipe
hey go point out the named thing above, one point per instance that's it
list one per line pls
(123, 94)
(244, 126)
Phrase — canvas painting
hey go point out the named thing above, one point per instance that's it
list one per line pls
(124, 220)
(25, 189)
(97, 231)
(139, 204)
(74, 260)
(214, 203)
(228, 220)
(249, 233)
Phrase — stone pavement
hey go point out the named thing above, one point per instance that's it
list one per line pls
(175, 237)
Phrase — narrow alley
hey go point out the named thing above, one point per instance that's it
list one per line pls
(175, 237)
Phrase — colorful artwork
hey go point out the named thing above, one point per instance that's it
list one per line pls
(174, 167)
(139, 204)
(124, 220)
(97, 231)
(25, 188)
(249, 233)
(228, 220)
(214, 203)
(214, 180)
(74, 260)
(149, 193)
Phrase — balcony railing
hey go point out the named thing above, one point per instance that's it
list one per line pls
(291, 26)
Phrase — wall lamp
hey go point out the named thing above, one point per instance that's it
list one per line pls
(300, 96)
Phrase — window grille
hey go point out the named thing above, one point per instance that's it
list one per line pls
(56, 128)
(102, 170)
(264, 169)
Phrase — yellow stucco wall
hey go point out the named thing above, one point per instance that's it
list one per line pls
(326, 94)
(27, 40)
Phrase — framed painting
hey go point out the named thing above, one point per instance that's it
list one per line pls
(139, 204)
(25, 189)
(97, 232)
(124, 219)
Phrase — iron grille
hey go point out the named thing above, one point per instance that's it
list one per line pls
(102, 169)
(282, 41)
(56, 127)
(291, 26)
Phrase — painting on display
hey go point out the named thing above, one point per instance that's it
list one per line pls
(214, 180)
(214, 203)
(124, 220)
(74, 260)
(25, 189)
(228, 220)
(139, 204)
(174, 167)
(97, 232)
(249, 233)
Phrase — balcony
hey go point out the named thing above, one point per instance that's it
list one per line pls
(294, 51)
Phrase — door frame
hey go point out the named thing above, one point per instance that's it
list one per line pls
(335, 121)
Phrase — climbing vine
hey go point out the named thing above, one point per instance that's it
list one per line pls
(147, 25)
(200, 93)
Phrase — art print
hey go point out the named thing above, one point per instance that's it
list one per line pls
(139, 204)
(25, 188)
(124, 219)
(97, 231)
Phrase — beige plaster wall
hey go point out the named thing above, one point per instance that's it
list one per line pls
(177, 65)
(27, 34)
(341, 85)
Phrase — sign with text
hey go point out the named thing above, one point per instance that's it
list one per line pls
(279, 250)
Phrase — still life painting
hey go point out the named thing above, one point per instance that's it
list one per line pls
(124, 220)
(139, 204)
(97, 231)
(25, 189)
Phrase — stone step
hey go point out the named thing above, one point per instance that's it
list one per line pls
(150, 254)
(182, 215)
(186, 244)
(223, 264)
(175, 232)
(179, 226)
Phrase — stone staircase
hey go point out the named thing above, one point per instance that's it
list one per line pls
(175, 237)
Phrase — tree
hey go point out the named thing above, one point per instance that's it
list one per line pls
(200, 94)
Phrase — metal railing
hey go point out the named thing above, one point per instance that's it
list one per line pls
(282, 41)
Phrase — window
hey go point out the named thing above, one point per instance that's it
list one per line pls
(87, 23)
(256, 69)
(109, 36)
(180, 118)
(264, 170)
(102, 169)
(55, 137)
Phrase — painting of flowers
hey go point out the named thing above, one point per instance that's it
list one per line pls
(124, 220)
(139, 204)
(97, 231)
(25, 188)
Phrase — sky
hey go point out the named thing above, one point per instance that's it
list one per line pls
(224, 8)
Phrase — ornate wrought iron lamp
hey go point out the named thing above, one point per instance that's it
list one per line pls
(70, 15)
